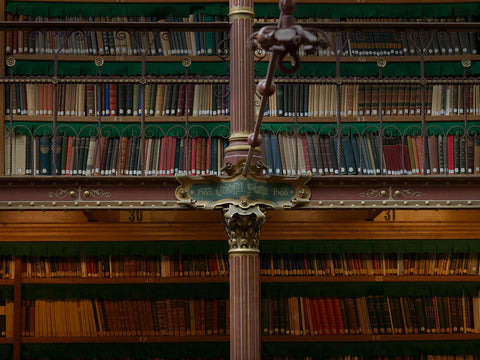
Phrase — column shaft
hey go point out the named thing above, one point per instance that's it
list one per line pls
(242, 82)
(245, 305)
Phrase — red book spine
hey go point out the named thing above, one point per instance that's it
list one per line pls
(113, 100)
(168, 154)
(451, 155)
(69, 155)
(173, 147)
(207, 157)
(322, 307)
(331, 315)
(308, 167)
(338, 316)
(161, 165)
(212, 265)
(203, 158)
(193, 156)
(199, 162)
(315, 317)
(215, 316)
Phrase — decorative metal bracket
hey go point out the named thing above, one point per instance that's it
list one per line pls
(282, 41)
(211, 191)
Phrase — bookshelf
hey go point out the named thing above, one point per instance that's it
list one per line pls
(31, 210)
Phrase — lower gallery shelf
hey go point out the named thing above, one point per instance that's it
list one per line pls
(370, 338)
(124, 339)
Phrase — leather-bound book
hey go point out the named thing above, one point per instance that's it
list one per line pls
(181, 99)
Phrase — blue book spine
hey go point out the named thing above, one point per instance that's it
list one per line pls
(44, 155)
(140, 100)
(268, 152)
(107, 99)
(277, 165)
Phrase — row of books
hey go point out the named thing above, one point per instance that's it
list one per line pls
(378, 264)
(118, 99)
(370, 154)
(135, 358)
(114, 266)
(400, 43)
(154, 317)
(167, 155)
(117, 43)
(420, 356)
(370, 315)
(316, 357)
(331, 264)
(320, 100)
(303, 100)
(411, 42)
(379, 43)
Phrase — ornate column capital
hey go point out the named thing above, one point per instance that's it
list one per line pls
(241, 12)
(243, 227)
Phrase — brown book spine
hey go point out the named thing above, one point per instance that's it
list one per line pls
(338, 316)
(113, 100)
(181, 100)
(433, 153)
(9, 34)
(375, 100)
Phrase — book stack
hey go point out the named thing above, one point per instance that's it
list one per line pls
(373, 264)
(380, 357)
(373, 314)
(320, 100)
(117, 43)
(85, 156)
(116, 266)
(400, 43)
(369, 154)
(118, 99)
(153, 317)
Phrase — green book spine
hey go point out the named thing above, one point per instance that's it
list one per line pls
(280, 103)
(129, 99)
(135, 99)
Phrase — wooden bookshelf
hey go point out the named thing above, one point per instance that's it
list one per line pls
(370, 279)
(267, 119)
(123, 339)
(118, 58)
(209, 59)
(374, 119)
(265, 279)
(130, 280)
(370, 338)
(124, 119)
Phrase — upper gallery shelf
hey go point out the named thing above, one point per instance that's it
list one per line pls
(270, 1)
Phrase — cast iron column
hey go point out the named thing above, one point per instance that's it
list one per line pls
(243, 227)
(242, 82)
